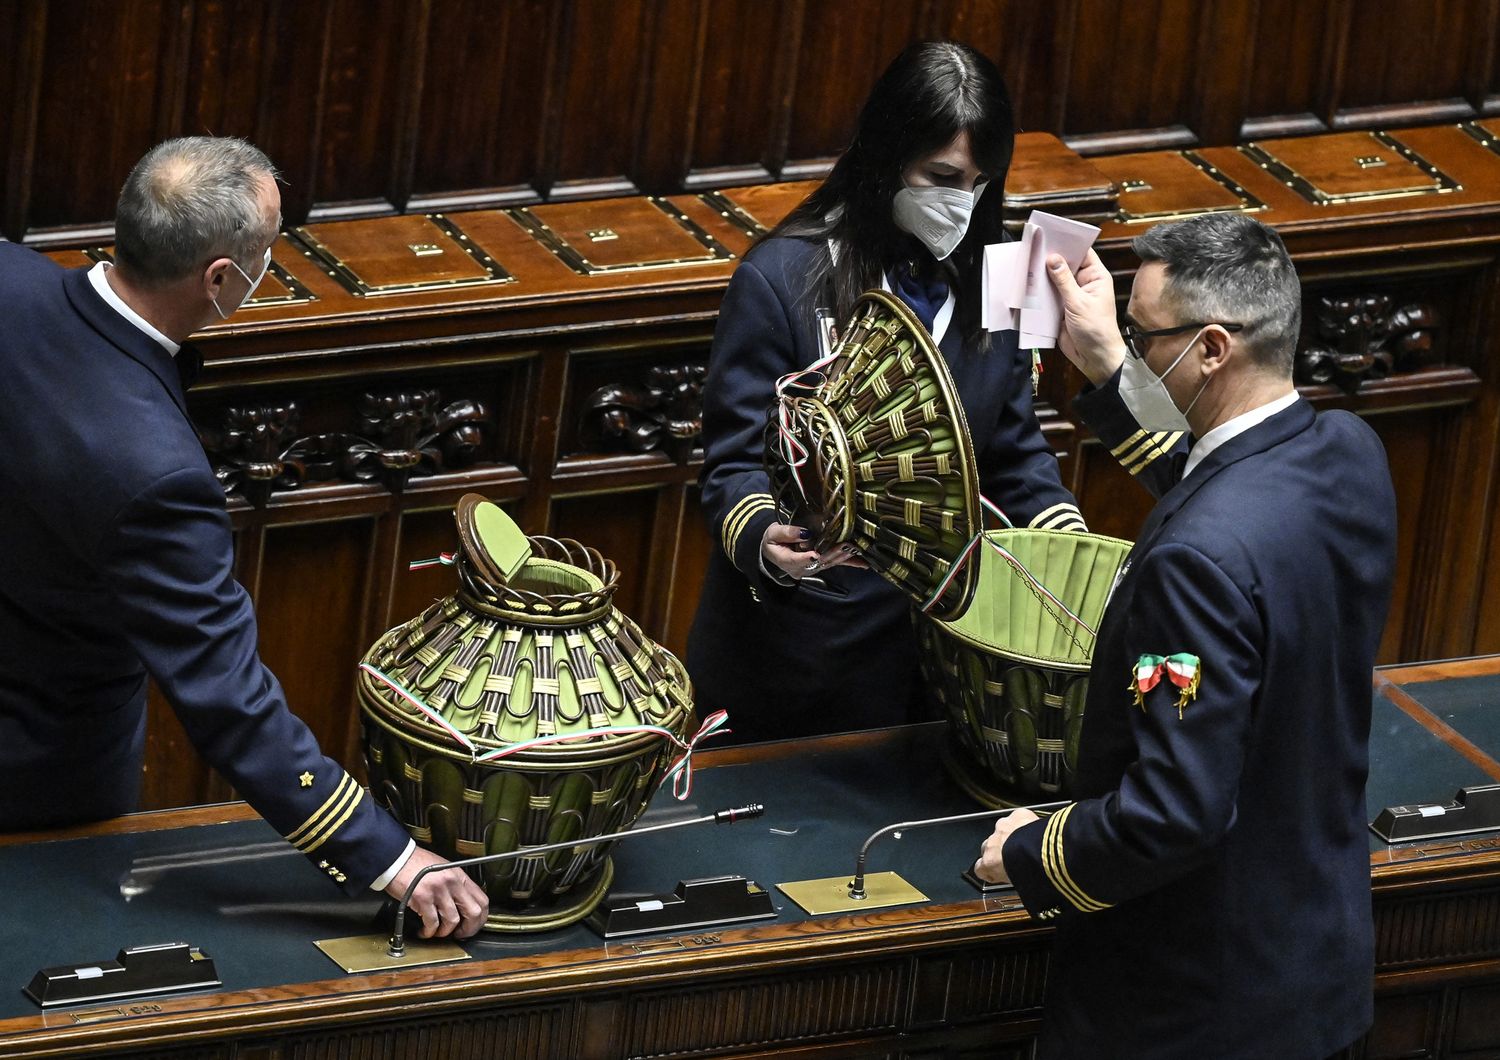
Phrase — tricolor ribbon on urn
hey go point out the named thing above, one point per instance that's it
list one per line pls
(792, 451)
(680, 772)
(442, 559)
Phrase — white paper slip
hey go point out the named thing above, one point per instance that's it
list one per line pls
(1017, 293)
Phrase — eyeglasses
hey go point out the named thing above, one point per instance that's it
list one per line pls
(1137, 340)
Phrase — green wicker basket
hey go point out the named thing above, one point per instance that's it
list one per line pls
(876, 454)
(529, 648)
(1011, 673)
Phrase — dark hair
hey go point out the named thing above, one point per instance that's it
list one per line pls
(930, 93)
(189, 201)
(1228, 268)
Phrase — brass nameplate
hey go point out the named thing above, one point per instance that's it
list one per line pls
(602, 235)
(831, 895)
(425, 250)
(371, 953)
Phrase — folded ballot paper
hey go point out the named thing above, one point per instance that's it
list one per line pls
(1017, 294)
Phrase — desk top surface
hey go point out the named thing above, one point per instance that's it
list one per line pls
(232, 888)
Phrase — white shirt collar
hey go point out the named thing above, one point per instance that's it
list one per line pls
(106, 292)
(1232, 428)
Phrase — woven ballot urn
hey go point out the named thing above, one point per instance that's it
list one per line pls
(464, 708)
(874, 451)
(1012, 673)
(871, 448)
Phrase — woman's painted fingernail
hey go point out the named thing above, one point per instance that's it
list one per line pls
(804, 534)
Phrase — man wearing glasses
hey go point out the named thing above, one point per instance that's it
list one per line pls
(1211, 886)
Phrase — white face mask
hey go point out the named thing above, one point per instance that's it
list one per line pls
(939, 217)
(264, 266)
(1145, 393)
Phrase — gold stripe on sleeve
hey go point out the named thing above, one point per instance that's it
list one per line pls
(1162, 444)
(1127, 443)
(340, 791)
(337, 823)
(741, 516)
(1060, 517)
(1056, 867)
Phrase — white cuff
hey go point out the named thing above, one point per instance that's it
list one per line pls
(384, 879)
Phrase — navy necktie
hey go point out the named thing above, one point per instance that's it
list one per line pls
(922, 297)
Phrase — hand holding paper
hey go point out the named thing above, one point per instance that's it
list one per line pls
(1017, 294)
(1091, 336)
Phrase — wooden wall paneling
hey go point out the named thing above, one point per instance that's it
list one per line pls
(417, 31)
(102, 72)
(605, 61)
(369, 70)
(1411, 441)
(624, 526)
(313, 649)
(1476, 1019)
(1163, 37)
(172, 772)
(737, 135)
(1218, 80)
(1480, 69)
(1031, 44)
(291, 96)
(1491, 86)
(1486, 635)
(1410, 61)
(483, 104)
(1295, 56)
(1406, 1025)
(548, 394)
(23, 28)
(676, 38)
(844, 48)
(694, 543)
(1469, 477)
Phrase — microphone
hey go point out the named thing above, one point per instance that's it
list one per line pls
(397, 948)
(857, 885)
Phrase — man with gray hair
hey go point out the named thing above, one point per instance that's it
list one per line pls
(116, 557)
(1211, 884)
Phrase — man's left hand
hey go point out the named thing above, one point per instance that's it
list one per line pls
(991, 867)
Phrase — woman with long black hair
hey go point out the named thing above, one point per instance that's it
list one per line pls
(791, 642)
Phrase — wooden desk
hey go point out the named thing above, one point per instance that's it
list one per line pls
(960, 975)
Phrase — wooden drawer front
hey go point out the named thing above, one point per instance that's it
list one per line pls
(279, 287)
(619, 235)
(1046, 174)
(1345, 167)
(395, 255)
(1163, 185)
(756, 210)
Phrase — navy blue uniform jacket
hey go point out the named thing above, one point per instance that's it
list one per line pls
(1211, 885)
(115, 562)
(796, 661)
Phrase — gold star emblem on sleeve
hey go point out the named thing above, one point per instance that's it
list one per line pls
(307, 779)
